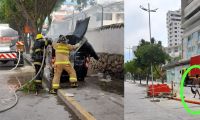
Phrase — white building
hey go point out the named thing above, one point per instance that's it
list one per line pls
(174, 33)
(191, 25)
(190, 39)
(64, 11)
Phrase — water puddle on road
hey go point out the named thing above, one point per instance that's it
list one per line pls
(19, 79)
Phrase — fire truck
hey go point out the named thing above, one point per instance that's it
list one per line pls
(10, 45)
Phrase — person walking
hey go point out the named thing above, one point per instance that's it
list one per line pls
(196, 84)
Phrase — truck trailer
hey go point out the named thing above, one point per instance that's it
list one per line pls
(10, 46)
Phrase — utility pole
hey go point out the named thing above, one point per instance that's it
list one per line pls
(149, 10)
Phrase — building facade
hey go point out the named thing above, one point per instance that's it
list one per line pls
(174, 33)
(191, 25)
(190, 12)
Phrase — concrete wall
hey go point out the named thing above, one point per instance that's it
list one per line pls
(174, 75)
(109, 40)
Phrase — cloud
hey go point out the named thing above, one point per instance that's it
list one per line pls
(136, 20)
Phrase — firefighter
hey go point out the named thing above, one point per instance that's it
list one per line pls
(62, 50)
(37, 57)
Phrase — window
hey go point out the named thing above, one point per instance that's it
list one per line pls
(189, 1)
(175, 31)
(176, 19)
(107, 16)
(176, 50)
(175, 43)
(119, 16)
(199, 35)
(175, 35)
(175, 39)
(98, 16)
(175, 15)
(175, 27)
(170, 44)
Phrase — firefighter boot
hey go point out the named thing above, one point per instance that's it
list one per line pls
(53, 91)
(38, 84)
(74, 84)
(38, 87)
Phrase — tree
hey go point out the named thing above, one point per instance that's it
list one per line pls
(148, 54)
(129, 67)
(134, 69)
(19, 13)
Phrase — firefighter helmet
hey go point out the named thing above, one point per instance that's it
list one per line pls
(39, 36)
(63, 39)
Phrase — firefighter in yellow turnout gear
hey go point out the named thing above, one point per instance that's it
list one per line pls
(62, 50)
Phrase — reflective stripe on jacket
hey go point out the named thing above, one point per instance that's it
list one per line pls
(62, 52)
(62, 62)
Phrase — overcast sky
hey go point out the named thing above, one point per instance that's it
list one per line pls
(136, 21)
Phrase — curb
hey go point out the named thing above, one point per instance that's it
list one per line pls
(186, 100)
(75, 106)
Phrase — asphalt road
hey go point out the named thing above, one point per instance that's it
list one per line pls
(30, 107)
(139, 107)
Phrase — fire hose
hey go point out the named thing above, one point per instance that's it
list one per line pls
(15, 92)
(19, 53)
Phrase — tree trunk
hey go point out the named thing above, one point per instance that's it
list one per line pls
(147, 79)
(162, 80)
(21, 8)
(27, 49)
(140, 80)
(134, 78)
(49, 22)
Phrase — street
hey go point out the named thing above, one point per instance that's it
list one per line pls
(30, 106)
(139, 107)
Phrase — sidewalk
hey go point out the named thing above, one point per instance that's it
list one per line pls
(94, 99)
(91, 102)
(139, 107)
(187, 90)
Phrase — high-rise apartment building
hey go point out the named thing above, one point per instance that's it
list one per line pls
(174, 33)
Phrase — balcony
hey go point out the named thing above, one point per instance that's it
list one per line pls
(191, 7)
(191, 20)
